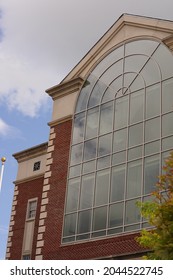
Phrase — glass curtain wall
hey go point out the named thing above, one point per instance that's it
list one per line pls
(123, 130)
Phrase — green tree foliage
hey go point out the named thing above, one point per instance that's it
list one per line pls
(159, 213)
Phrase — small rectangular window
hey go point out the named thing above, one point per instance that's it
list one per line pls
(32, 207)
(36, 166)
(26, 257)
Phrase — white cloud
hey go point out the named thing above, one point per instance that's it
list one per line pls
(8, 131)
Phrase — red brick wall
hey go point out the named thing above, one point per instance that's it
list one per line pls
(27, 191)
(52, 238)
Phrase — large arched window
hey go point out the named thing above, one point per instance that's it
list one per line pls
(123, 129)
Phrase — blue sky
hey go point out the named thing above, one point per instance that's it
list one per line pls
(40, 42)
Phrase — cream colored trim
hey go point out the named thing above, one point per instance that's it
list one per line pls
(40, 243)
(66, 88)
(39, 257)
(31, 178)
(59, 121)
(169, 42)
(31, 152)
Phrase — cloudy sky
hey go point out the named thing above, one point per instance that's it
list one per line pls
(40, 42)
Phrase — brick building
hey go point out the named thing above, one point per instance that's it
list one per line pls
(75, 196)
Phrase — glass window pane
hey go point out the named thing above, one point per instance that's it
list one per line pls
(103, 162)
(167, 143)
(167, 96)
(167, 124)
(134, 178)
(136, 106)
(165, 60)
(99, 218)
(136, 134)
(137, 83)
(120, 140)
(151, 73)
(152, 129)
(75, 171)
(134, 63)
(76, 154)
(102, 187)
(69, 225)
(105, 145)
(87, 191)
(116, 215)
(106, 118)
(128, 79)
(85, 92)
(121, 112)
(118, 183)
(152, 148)
(141, 47)
(132, 212)
(92, 123)
(112, 90)
(89, 166)
(153, 101)
(97, 93)
(90, 149)
(135, 153)
(72, 195)
(78, 129)
(112, 72)
(115, 55)
(151, 173)
(119, 158)
(130, 228)
(84, 227)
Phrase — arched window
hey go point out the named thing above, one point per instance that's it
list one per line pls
(123, 129)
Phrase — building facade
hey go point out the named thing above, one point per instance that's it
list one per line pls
(111, 129)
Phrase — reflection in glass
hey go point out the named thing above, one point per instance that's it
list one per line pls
(105, 145)
(132, 213)
(103, 162)
(151, 73)
(76, 154)
(134, 175)
(118, 183)
(87, 191)
(135, 153)
(134, 63)
(97, 93)
(90, 149)
(135, 134)
(152, 148)
(99, 218)
(140, 47)
(167, 96)
(72, 195)
(78, 129)
(112, 90)
(89, 166)
(75, 171)
(116, 215)
(113, 71)
(167, 124)
(106, 118)
(167, 143)
(152, 129)
(69, 225)
(92, 123)
(151, 173)
(121, 112)
(136, 106)
(119, 158)
(85, 92)
(153, 101)
(84, 227)
(120, 139)
(102, 187)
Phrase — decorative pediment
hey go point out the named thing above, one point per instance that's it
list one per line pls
(127, 27)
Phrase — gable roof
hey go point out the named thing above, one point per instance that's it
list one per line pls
(127, 27)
